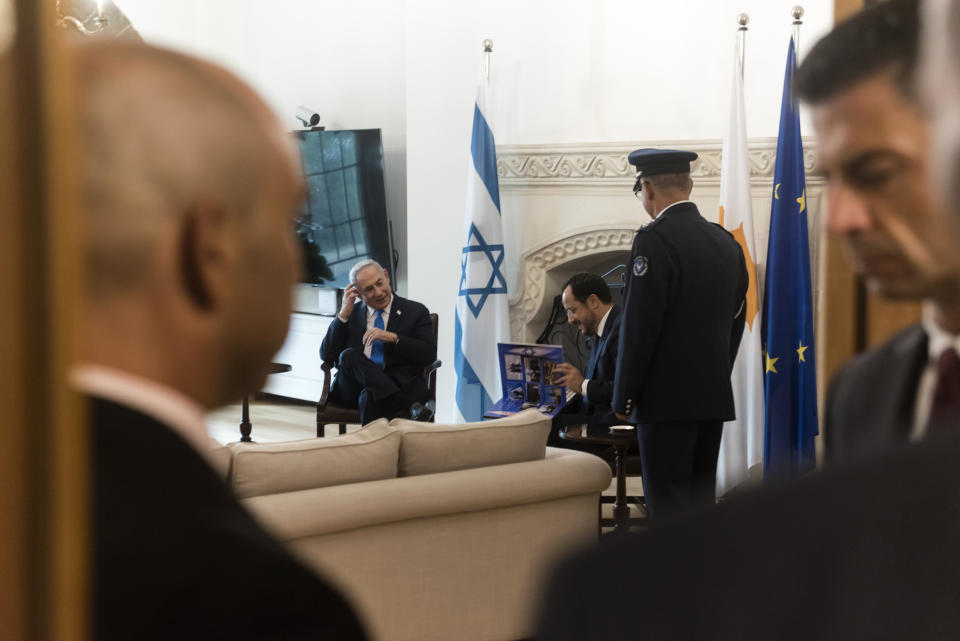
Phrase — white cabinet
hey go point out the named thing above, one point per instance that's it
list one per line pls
(301, 351)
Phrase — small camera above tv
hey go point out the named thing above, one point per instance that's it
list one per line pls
(344, 216)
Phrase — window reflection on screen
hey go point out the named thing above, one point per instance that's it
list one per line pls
(344, 217)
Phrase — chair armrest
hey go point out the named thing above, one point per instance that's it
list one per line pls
(325, 394)
(430, 376)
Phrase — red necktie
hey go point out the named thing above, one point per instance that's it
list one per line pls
(945, 412)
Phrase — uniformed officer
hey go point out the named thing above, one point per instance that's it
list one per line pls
(681, 326)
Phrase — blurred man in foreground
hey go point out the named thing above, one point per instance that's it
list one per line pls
(873, 146)
(189, 189)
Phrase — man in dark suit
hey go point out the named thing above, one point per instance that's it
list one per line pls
(873, 145)
(865, 551)
(381, 348)
(682, 322)
(190, 259)
(586, 298)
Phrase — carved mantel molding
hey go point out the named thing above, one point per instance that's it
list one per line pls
(602, 164)
(583, 171)
(537, 261)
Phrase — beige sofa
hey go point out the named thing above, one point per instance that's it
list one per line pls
(434, 532)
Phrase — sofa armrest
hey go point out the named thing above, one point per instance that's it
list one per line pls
(304, 513)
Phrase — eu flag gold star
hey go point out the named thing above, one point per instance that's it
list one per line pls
(801, 350)
(803, 201)
(770, 364)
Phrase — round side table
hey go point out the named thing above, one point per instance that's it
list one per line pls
(245, 425)
(621, 440)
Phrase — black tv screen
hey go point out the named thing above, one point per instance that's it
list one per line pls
(344, 217)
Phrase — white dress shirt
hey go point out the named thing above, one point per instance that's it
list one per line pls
(371, 319)
(600, 326)
(938, 340)
(165, 405)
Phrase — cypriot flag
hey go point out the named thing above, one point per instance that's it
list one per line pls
(742, 445)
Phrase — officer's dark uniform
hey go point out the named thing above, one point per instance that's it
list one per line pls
(680, 330)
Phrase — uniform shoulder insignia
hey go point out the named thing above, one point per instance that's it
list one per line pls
(640, 266)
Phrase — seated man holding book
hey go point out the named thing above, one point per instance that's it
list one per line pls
(586, 297)
(381, 348)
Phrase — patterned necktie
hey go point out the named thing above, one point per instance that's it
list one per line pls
(945, 412)
(376, 350)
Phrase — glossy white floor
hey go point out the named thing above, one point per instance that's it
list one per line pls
(275, 421)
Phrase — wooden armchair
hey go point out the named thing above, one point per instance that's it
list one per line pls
(328, 412)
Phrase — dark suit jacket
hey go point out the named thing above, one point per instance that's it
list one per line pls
(682, 320)
(870, 402)
(404, 361)
(867, 551)
(175, 556)
(601, 371)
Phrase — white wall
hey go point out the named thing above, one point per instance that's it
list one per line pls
(570, 71)
(344, 59)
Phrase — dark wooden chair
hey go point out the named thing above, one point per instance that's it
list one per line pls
(328, 412)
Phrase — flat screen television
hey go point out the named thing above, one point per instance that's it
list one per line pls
(344, 216)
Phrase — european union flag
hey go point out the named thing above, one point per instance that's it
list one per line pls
(790, 382)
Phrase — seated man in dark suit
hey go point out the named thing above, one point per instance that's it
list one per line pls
(872, 146)
(381, 348)
(189, 258)
(586, 297)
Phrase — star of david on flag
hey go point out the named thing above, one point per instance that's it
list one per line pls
(480, 274)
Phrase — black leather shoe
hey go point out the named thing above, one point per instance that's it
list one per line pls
(420, 412)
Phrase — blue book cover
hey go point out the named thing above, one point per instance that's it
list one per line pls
(527, 379)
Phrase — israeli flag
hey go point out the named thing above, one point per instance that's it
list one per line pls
(482, 316)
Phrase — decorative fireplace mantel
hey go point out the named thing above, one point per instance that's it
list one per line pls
(595, 164)
(565, 204)
(536, 263)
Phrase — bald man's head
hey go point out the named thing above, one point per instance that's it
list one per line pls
(190, 186)
(164, 132)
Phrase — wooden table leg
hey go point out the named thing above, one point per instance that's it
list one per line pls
(621, 511)
(245, 425)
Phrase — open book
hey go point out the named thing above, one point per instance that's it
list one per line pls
(527, 379)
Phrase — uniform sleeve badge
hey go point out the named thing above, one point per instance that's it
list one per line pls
(640, 265)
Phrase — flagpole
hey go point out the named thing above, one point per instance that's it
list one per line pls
(487, 50)
(743, 20)
(797, 13)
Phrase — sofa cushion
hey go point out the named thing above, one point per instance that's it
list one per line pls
(369, 454)
(427, 448)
